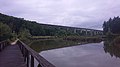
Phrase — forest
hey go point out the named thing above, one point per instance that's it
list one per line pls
(20, 26)
(111, 29)
(36, 29)
(112, 26)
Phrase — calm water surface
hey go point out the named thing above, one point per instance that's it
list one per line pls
(88, 55)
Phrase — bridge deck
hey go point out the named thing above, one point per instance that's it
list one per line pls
(11, 56)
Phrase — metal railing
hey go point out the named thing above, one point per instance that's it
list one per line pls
(30, 55)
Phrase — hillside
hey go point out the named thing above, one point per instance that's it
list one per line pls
(36, 29)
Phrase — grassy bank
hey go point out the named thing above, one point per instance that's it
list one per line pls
(83, 38)
(116, 41)
(41, 43)
(29, 40)
(71, 38)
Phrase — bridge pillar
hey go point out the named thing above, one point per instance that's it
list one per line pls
(75, 30)
(97, 32)
(86, 32)
(94, 33)
(81, 31)
(91, 33)
(67, 29)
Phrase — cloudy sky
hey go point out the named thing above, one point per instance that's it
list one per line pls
(75, 13)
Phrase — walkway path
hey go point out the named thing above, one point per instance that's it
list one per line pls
(11, 56)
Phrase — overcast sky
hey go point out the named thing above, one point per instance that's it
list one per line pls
(76, 13)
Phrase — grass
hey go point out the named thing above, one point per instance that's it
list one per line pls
(40, 43)
(83, 38)
(116, 41)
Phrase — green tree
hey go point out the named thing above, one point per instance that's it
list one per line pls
(5, 32)
(24, 33)
(112, 26)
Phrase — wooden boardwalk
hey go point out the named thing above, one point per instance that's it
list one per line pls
(20, 55)
(11, 56)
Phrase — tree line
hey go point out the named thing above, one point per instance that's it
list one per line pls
(112, 26)
(19, 26)
(23, 28)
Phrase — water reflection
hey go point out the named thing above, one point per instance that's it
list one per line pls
(51, 44)
(88, 55)
(110, 48)
(54, 44)
(103, 54)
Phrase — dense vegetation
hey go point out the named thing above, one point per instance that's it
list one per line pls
(5, 32)
(36, 29)
(25, 28)
(111, 29)
(112, 26)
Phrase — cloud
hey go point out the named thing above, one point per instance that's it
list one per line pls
(77, 13)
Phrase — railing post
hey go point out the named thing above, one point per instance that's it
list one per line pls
(27, 59)
(0, 46)
(32, 61)
(25, 55)
(22, 48)
(3, 45)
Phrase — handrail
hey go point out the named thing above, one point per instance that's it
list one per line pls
(29, 56)
(3, 44)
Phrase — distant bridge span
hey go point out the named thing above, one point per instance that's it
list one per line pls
(82, 31)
